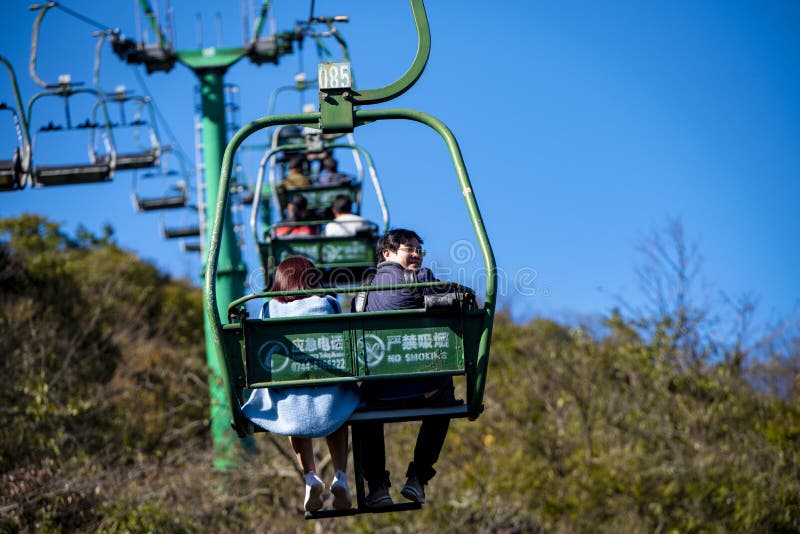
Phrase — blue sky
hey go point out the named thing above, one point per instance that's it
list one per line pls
(584, 127)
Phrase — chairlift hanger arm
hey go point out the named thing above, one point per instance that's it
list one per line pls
(43, 9)
(358, 149)
(148, 154)
(337, 104)
(374, 177)
(272, 152)
(407, 80)
(96, 72)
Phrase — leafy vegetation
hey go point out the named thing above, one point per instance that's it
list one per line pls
(648, 422)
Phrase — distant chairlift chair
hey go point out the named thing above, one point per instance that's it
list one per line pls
(341, 259)
(78, 173)
(180, 232)
(68, 174)
(177, 193)
(14, 172)
(149, 155)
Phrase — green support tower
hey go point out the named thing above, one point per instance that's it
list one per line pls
(210, 65)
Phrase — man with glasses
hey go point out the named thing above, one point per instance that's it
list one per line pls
(400, 253)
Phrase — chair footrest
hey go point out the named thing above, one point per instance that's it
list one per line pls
(399, 507)
(399, 414)
(391, 414)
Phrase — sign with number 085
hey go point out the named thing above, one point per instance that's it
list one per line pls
(334, 75)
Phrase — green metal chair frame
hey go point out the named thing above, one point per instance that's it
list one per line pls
(275, 353)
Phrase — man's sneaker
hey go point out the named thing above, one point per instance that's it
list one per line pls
(413, 490)
(314, 489)
(379, 497)
(341, 492)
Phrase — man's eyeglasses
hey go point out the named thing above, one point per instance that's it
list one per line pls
(413, 250)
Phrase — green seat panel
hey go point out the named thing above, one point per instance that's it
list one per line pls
(325, 252)
(350, 346)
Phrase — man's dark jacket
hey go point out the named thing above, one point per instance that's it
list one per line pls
(391, 273)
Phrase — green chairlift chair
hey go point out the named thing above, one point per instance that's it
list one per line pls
(453, 339)
(342, 260)
(174, 180)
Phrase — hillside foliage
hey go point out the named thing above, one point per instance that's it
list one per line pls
(647, 422)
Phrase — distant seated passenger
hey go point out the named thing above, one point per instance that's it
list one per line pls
(290, 134)
(345, 224)
(297, 211)
(330, 175)
(295, 177)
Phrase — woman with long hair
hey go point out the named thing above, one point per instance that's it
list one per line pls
(306, 412)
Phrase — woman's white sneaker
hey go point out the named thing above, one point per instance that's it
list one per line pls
(341, 492)
(314, 489)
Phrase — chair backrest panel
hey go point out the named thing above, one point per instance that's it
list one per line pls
(325, 252)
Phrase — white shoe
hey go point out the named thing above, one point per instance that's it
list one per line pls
(341, 492)
(314, 489)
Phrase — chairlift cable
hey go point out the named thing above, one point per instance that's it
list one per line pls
(245, 21)
(83, 18)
